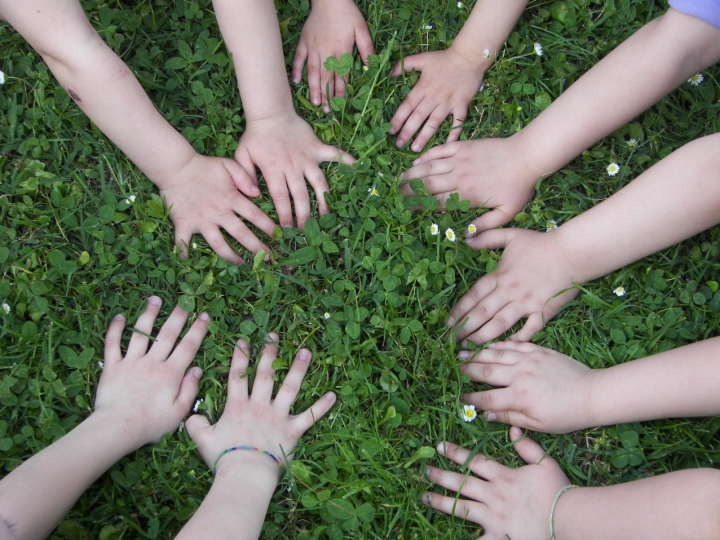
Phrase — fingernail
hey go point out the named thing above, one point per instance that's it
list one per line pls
(242, 344)
(491, 417)
(304, 355)
(254, 189)
(316, 102)
(330, 396)
(400, 143)
(197, 373)
(516, 431)
(441, 448)
(296, 81)
(119, 317)
(464, 355)
(204, 317)
(415, 147)
(491, 345)
(272, 337)
(154, 300)
(425, 498)
(450, 321)
(416, 161)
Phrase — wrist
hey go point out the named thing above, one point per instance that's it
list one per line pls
(119, 435)
(476, 60)
(248, 466)
(169, 178)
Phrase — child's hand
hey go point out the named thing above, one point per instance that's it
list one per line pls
(287, 152)
(491, 173)
(540, 389)
(507, 503)
(331, 30)
(148, 393)
(258, 420)
(448, 84)
(203, 197)
(532, 270)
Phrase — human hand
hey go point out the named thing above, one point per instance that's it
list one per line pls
(491, 173)
(532, 270)
(258, 420)
(506, 502)
(203, 197)
(539, 389)
(147, 393)
(331, 29)
(448, 84)
(286, 150)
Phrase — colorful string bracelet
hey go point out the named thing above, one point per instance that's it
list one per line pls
(552, 509)
(254, 449)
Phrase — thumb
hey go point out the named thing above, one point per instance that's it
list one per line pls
(492, 239)
(492, 219)
(241, 178)
(364, 42)
(189, 388)
(182, 240)
(416, 62)
(528, 449)
(196, 425)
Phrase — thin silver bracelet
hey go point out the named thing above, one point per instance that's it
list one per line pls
(552, 509)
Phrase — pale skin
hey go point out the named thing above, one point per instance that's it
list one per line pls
(140, 397)
(500, 174)
(245, 480)
(331, 29)
(276, 140)
(451, 78)
(516, 503)
(205, 194)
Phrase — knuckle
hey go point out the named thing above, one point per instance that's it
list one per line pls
(238, 374)
(265, 375)
(487, 371)
(290, 387)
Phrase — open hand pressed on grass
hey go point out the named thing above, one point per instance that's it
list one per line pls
(203, 197)
(287, 152)
(506, 502)
(448, 83)
(331, 29)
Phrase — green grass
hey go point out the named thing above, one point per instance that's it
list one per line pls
(73, 253)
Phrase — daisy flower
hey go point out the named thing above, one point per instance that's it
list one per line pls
(613, 169)
(326, 316)
(197, 405)
(472, 229)
(101, 365)
(632, 144)
(538, 48)
(620, 291)
(551, 225)
(695, 80)
(434, 229)
(469, 413)
(373, 191)
(428, 27)
(460, 5)
(450, 235)
(5, 308)
(482, 87)
(2, 78)
(486, 53)
(130, 199)
(182, 426)
(194, 245)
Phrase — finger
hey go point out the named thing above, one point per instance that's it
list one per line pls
(364, 42)
(112, 339)
(240, 232)
(533, 325)
(339, 86)
(492, 239)
(327, 81)
(466, 485)
(414, 62)
(442, 151)
(243, 158)
(237, 378)
(513, 418)
(492, 355)
(218, 244)
(459, 116)
(189, 345)
(182, 240)
(316, 179)
(490, 220)
(138, 342)
(301, 198)
(168, 334)
(495, 400)
(503, 319)
(196, 426)
(528, 449)
(416, 119)
(515, 346)
(404, 111)
(480, 465)
(459, 508)
(242, 180)
(299, 61)
(264, 373)
(293, 380)
(304, 421)
(250, 211)
(470, 300)
(188, 389)
(431, 126)
(330, 153)
(314, 78)
(432, 168)
(278, 189)
(492, 374)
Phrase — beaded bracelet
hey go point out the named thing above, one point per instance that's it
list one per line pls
(552, 509)
(253, 448)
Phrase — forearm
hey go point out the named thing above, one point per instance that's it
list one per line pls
(35, 496)
(674, 200)
(486, 29)
(682, 382)
(683, 505)
(647, 66)
(252, 35)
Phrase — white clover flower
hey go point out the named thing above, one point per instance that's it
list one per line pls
(373, 191)
(472, 229)
(538, 48)
(365, 68)
(101, 365)
(632, 144)
(182, 426)
(326, 316)
(620, 291)
(695, 80)
(428, 27)
(130, 199)
(2, 78)
(486, 53)
(482, 87)
(197, 405)
(613, 169)
(194, 245)
(551, 225)
(434, 229)
(469, 413)
(5, 308)
(460, 5)
(450, 235)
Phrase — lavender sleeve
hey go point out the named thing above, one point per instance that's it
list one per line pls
(707, 10)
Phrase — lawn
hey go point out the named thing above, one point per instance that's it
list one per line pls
(83, 236)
